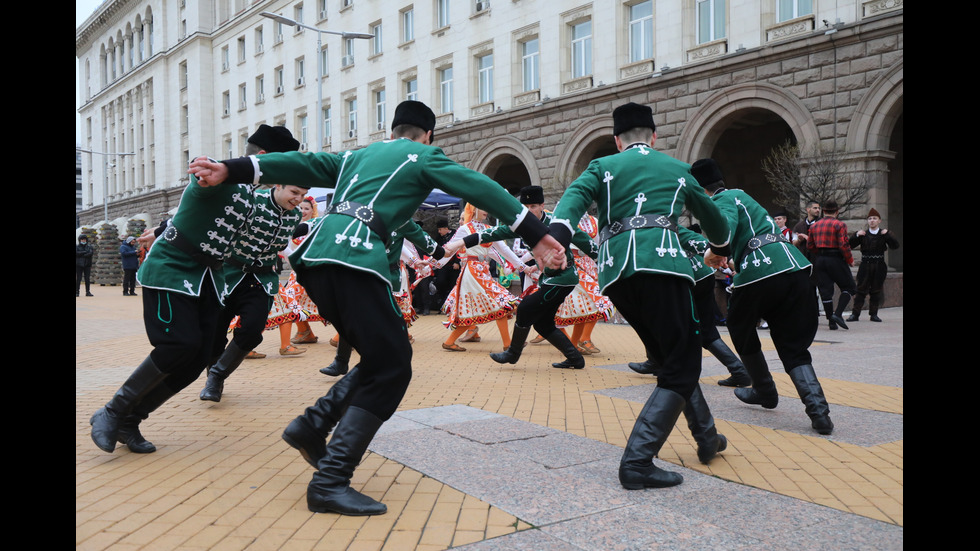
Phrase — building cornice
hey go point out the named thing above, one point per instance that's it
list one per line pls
(106, 15)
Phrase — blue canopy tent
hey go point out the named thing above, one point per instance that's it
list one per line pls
(438, 200)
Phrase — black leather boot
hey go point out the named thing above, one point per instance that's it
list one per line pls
(702, 426)
(105, 422)
(341, 361)
(648, 367)
(308, 432)
(653, 426)
(129, 428)
(720, 350)
(573, 358)
(330, 491)
(811, 394)
(227, 363)
(838, 315)
(763, 392)
(828, 308)
(856, 309)
(513, 352)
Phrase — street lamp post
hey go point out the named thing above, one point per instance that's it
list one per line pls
(105, 175)
(279, 18)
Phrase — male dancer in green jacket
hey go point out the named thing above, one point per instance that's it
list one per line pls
(772, 282)
(644, 270)
(344, 269)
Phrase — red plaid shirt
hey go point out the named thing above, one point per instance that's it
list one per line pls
(830, 233)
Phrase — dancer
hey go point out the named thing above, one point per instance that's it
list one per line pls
(343, 267)
(585, 306)
(478, 297)
(640, 193)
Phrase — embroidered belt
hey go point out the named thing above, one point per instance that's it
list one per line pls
(760, 241)
(177, 239)
(363, 213)
(637, 222)
(873, 257)
(251, 268)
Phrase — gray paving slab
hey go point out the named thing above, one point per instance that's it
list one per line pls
(567, 487)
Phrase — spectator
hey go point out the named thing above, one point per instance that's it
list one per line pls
(83, 265)
(130, 263)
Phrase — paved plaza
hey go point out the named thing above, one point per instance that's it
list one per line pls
(488, 457)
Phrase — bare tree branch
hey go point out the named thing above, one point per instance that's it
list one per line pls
(798, 177)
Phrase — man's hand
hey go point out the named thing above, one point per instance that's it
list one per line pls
(550, 254)
(715, 261)
(208, 172)
(860, 233)
(147, 238)
(452, 246)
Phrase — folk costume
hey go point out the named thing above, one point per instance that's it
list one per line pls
(696, 245)
(344, 268)
(183, 283)
(832, 259)
(401, 249)
(873, 270)
(585, 305)
(772, 283)
(538, 309)
(644, 270)
(251, 283)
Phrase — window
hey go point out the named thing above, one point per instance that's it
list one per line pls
(376, 48)
(303, 131)
(582, 49)
(791, 9)
(298, 17)
(529, 65)
(322, 9)
(183, 28)
(324, 62)
(641, 31)
(379, 108)
(241, 49)
(260, 89)
(711, 20)
(280, 80)
(326, 125)
(352, 117)
(225, 103)
(242, 97)
(446, 89)
(278, 27)
(259, 40)
(442, 13)
(412, 89)
(140, 35)
(485, 78)
(300, 72)
(408, 25)
(225, 59)
(227, 147)
(348, 59)
(182, 75)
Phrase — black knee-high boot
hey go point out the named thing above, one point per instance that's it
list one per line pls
(330, 491)
(129, 428)
(653, 426)
(649, 367)
(573, 358)
(105, 422)
(513, 352)
(739, 376)
(811, 394)
(341, 361)
(308, 432)
(702, 426)
(227, 363)
(763, 392)
(838, 315)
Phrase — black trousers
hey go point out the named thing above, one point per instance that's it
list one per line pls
(786, 302)
(129, 282)
(362, 309)
(249, 301)
(830, 271)
(539, 308)
(704, 300)
(181, 330)
(83, 272)
(661, 310)
(871, 281)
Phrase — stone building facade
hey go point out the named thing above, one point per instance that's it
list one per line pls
(829, 76)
